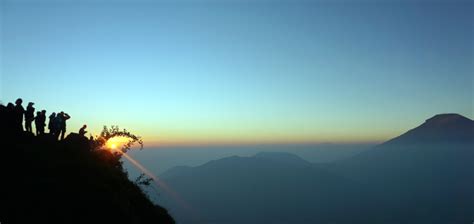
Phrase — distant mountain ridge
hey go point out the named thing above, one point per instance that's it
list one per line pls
(282, 157)
(425, 175)
(444, 136)
(271, 157)
(275, 181)
(431, 164)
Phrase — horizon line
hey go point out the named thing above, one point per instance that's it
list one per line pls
(155, 144)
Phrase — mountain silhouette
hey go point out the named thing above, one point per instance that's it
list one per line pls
(283, 157)
(448, 138)
(442, 128)
(265, 188)
(50, 181)
(425, 175)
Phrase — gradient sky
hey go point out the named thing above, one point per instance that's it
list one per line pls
(197, 72)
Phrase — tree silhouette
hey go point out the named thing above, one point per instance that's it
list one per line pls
(114, 131)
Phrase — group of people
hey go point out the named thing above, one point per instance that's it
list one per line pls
(14, 114)
(39, 119)
(57, 124)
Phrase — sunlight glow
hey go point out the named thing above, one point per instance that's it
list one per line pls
(116, 143)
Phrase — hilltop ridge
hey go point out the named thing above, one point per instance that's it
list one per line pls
(50, 181)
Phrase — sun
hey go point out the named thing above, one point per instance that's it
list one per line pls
(116, 143)
(111, 145)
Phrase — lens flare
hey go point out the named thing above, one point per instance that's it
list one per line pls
(161, 184)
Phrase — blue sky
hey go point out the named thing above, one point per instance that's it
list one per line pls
(241, 71)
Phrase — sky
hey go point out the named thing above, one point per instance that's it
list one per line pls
(241, 72)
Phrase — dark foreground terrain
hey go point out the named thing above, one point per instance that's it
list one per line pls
(48, 181)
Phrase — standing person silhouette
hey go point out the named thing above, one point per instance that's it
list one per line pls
(19, 112)
(10, 117)
(3, 119)
(62, 126)
(29, 116)
(51, 123)
(37, 122)
(40, 122)
(58, 120)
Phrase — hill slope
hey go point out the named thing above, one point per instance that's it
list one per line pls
(45, 181)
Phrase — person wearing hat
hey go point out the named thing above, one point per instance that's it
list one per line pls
(29, 117)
